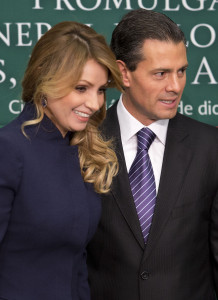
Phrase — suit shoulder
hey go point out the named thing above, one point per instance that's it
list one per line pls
(111, 120)
(191, 124)
(111, 110)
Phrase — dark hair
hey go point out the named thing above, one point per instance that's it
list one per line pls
(137, 26)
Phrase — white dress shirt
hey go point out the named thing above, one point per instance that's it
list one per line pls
(129, 127)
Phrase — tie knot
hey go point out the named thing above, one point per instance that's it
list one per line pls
(145, 138)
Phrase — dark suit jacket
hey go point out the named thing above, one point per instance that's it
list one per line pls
(180, 261)
(47, 214)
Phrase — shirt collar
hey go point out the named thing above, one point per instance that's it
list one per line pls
(129, 126)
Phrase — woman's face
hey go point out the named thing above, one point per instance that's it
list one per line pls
(72, 112)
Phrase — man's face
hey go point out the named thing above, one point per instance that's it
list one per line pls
(154, 89)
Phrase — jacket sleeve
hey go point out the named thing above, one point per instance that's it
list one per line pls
(214, 240)
(10, 169)
(214, 227)
(83, 286)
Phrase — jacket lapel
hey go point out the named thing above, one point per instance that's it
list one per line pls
(176, 161)
(121, 188)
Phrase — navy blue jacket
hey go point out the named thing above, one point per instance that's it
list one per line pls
(47, 214)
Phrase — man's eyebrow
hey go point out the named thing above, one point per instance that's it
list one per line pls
(184, 67)
(168, 69)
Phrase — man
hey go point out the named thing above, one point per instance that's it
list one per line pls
(176, 256)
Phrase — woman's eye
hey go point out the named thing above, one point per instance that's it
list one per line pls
(102, 90)
(80, 88)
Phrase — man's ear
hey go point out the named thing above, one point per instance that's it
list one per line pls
(125, 72)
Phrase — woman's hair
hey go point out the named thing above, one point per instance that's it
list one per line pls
(55, 67)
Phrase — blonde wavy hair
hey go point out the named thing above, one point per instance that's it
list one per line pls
(54, 69)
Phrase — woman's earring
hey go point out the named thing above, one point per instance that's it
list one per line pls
(44, 102)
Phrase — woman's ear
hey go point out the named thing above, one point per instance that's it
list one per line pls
(125, 72)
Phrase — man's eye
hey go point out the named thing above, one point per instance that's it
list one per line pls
(182, 71)
(160, 74)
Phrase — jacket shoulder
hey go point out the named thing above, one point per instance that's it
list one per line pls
(193, 125)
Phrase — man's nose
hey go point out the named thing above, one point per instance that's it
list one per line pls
(174, 84)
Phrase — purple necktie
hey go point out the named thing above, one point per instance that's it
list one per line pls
(142, 181)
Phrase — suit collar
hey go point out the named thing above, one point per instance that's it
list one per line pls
(120, 188)
(129, 126)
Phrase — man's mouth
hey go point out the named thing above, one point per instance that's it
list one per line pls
(167, 101)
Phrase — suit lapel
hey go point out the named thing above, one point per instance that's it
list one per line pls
(121, 188)
(176, 161)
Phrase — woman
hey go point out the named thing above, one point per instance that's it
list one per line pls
(53, 165)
